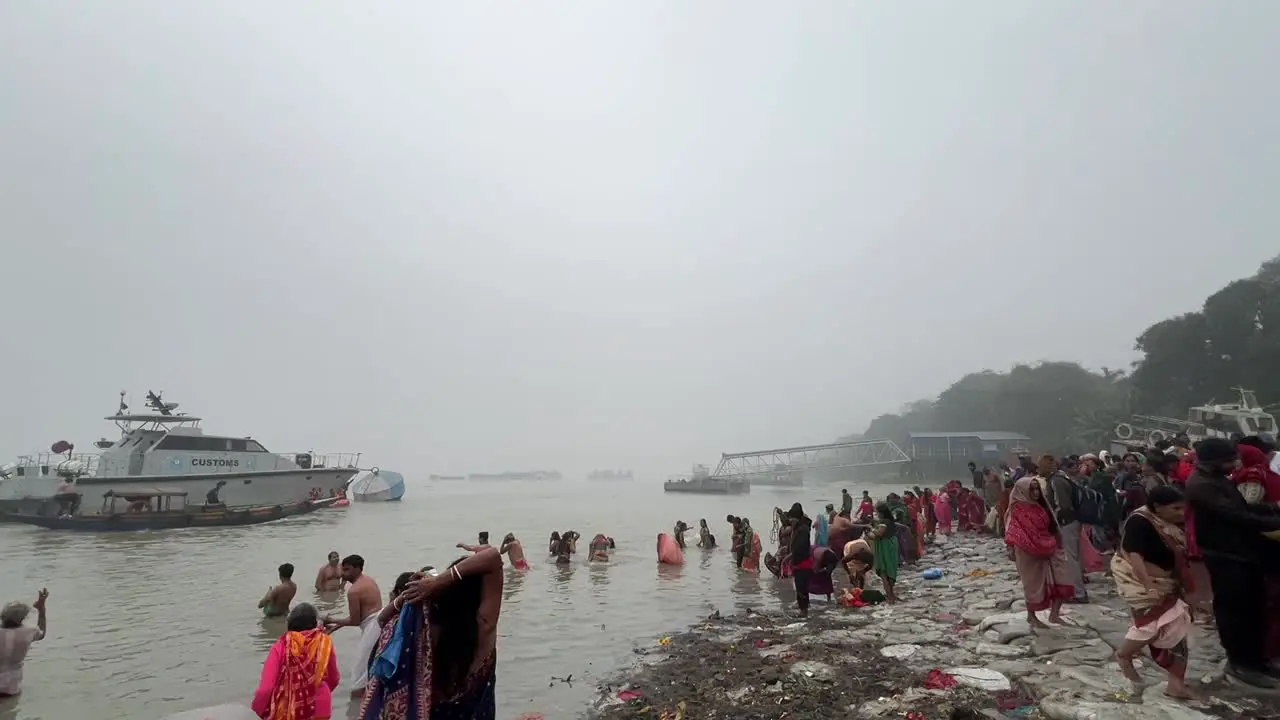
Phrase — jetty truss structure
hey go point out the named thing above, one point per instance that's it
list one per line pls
(858, 453)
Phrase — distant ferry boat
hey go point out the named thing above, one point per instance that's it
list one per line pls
(610, 475)
(522, 475)
(434, 478)
(701, 482)
(161, 448)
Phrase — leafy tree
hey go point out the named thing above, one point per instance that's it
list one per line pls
(1186, 360)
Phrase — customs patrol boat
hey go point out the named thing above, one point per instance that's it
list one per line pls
(161, 447)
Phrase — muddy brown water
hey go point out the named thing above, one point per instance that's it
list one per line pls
(147, 624)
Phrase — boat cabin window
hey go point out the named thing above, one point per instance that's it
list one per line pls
(1257, 424)
(204, 443)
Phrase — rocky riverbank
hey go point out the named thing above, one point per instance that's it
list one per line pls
(957, 647)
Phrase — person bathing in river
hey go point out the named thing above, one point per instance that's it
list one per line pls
(562, 550)
(706, 540)
(16, 639)
(483, 537)
(570, 538)
(736, 545)
(278, 598)
(751, 547)
(300, 672)
(329, 577)
(678, 533)
(780, 564)
(439, 662)
(598, 549)
(553, 546)
(514, 551)
(364, 600)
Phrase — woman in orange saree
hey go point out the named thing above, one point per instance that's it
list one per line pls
(300, 672)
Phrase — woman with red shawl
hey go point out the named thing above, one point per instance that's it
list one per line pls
(300, 672)
(1036, 549)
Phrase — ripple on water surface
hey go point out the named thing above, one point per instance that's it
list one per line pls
(145, 624)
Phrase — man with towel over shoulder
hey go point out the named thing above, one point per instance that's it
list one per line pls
(364, 601)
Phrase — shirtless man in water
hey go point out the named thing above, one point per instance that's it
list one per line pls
(514, 551)
(277, 600)
(364, 600)
(329, 578)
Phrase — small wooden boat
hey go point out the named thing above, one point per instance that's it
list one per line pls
(154, 510)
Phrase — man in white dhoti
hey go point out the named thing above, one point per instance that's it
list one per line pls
(364, 600)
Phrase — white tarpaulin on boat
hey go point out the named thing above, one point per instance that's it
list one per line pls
(376, 486)
(217, 712)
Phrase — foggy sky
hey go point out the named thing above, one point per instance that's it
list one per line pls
(467, 237)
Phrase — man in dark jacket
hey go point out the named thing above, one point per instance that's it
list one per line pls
(801, 555)
(1229, 532)
(1062, 499)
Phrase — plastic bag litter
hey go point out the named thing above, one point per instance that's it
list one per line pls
(899, 652)
(230, 711)
(980, 678)
(938, 680)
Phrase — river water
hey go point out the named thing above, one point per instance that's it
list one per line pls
(147, 624)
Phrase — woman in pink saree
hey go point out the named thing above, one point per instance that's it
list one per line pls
(942, 511)
(300, 672)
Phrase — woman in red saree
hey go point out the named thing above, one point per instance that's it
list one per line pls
(963, 522)
(1034, 546)
(300, 672)
(975, 509)
(751, 556)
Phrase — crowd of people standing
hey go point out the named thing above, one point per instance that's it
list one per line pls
(1155, 519)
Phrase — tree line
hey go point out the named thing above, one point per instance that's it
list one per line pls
(1191, 359)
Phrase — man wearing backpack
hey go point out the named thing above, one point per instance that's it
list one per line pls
(1062, 494)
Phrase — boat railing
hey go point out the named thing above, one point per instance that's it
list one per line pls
(327, 460)
(47, 464)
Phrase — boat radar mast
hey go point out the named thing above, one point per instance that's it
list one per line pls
(162, 415)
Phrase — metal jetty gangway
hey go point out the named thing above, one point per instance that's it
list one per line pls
(857, 453)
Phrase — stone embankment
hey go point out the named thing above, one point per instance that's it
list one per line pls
(957, 647)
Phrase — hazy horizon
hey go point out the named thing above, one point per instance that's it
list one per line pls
(469, 238)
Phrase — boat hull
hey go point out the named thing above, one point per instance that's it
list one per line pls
(175, 520)
(274, 487)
